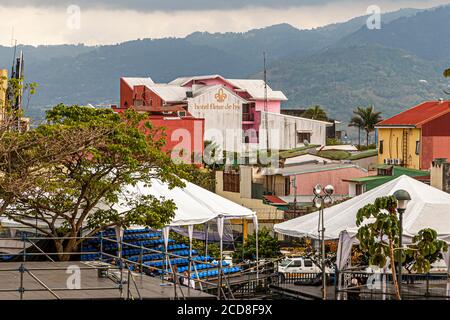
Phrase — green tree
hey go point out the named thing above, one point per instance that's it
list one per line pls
(424, 251)
(80, 191)
(269, 246)
(316, 113)
(366, 118)
(379, 237)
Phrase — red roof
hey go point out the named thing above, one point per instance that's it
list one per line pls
(418, 115)
(274, 199)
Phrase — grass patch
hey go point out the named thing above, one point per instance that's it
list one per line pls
(365, 154)
(334, 154)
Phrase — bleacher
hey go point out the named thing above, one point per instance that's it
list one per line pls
(152, 239)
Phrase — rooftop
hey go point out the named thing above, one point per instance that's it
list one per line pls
(418, 115)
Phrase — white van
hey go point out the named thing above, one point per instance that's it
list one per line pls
(298, 265)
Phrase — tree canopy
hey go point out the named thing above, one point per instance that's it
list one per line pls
(379, 237)
(75, 193)
(365, 118)
(269, 246)
(316, 113)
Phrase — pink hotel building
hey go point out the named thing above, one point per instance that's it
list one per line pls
(236, 112)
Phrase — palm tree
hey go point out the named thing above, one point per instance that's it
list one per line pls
(357, 122)
(316, 113)
(368, 118)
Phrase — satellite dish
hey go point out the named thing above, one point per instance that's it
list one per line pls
(306, 142)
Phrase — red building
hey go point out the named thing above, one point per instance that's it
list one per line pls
(415, 137)
(167, 109)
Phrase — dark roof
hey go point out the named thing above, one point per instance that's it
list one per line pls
(418, 115)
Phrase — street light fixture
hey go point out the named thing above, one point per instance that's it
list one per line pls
(319, 201)
(403, 198)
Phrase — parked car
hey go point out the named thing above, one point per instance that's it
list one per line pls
(299, 265)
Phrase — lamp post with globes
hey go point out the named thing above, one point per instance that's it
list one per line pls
(322, 196)
(403, 198)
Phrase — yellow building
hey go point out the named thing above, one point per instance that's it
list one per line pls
(415, 137)
(3, 88)
(399, 146)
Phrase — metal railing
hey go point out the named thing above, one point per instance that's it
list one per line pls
(119, 263)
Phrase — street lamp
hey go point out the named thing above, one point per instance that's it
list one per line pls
(403, 198)
(319, 200)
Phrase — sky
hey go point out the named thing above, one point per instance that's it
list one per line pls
(95, 22)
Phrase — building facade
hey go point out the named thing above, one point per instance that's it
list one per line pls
(416, 136)
(239, 114)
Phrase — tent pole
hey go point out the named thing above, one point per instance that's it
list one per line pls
(257, 254)
(206, 238)
(220, 269)
(190, 231)
(220, 231)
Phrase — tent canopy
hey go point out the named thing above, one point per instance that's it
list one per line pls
(428, 208)
(195, 205)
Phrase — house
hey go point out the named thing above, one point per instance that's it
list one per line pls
(384, 173)
(240, 115)
(415, 137)
(300, 180)
(245, 187)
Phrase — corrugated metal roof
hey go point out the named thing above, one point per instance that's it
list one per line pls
(306, 168)
(255, 88)
(138, 81)
(168, 92)
(418, 115)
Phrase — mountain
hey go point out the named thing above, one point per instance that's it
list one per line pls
(283, 40)
(340, 79)
(339, 66)
(425, 34)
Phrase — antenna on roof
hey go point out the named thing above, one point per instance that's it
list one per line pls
(265, 102)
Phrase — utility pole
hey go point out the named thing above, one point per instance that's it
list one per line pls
(265, 104)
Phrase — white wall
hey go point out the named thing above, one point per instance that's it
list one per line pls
(283, 131)
(223, 119)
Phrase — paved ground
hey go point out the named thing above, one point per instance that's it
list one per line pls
(55, 275)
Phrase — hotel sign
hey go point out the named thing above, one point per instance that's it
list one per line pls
(218, 103)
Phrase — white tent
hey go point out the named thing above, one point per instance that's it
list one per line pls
(428, 208)
(195, 205)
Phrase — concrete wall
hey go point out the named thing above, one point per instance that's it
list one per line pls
(283, 131)
(366, 163)
(440, 175)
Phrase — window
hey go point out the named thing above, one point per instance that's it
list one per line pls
(308, 263)
(231, 182)
(245, 108)
(296, 264)
(359, 189)
(417, 147)
(380, 147)
(302, 136)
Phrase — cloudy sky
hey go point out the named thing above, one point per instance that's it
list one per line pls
(112, 21)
